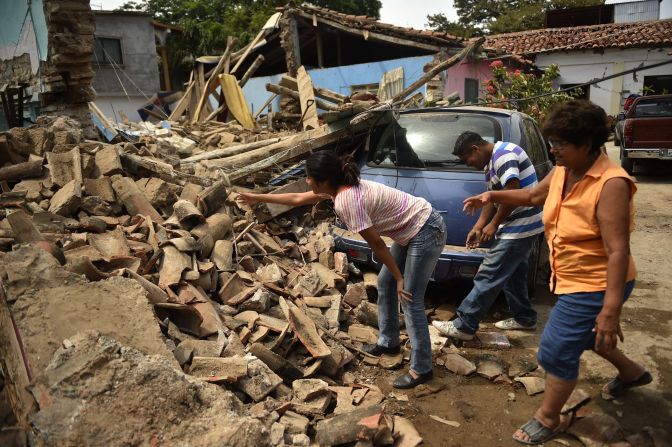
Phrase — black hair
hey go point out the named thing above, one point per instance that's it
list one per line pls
(578, 122)
(337, 171)
(465, 141)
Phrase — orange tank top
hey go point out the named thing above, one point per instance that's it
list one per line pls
(577, 255)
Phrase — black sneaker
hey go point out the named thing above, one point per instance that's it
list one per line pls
(377, 350)
(406, 381)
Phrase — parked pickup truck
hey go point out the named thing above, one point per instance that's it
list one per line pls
(414, 153)
(646, 131)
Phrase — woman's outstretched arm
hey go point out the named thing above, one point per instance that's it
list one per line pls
(289, 199)
(518, 197)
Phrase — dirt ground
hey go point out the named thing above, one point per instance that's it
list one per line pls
(484, 410)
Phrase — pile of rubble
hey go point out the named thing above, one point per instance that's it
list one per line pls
(266, 311)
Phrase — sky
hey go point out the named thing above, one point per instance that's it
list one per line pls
(397, 12)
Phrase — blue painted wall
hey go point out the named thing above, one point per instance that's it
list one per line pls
(339, 79)
(15, 18)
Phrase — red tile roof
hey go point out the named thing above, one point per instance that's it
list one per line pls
(371, 24)
(655, 33)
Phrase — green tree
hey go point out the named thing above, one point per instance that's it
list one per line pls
(439, 22)
(502, 16)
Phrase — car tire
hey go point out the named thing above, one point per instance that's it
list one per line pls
(627, 163)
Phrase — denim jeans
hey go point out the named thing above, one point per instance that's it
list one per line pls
(416, 261)
(503, 269)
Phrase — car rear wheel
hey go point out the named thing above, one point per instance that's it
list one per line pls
(627, 163)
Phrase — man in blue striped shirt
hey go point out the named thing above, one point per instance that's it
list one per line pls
(514, 229)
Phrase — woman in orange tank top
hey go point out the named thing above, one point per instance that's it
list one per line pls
(588, 217)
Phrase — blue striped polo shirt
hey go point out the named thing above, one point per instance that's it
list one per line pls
(509, 161)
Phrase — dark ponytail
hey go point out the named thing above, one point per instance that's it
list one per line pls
(327, 166)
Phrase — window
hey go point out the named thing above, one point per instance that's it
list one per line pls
(107, 51)
(652, 107)
(426, 140)
(535, 146)
(471, 91)
(658, 85)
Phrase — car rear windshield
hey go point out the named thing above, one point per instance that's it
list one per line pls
(653, 107)
(426, 140)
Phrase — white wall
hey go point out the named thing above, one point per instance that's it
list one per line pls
(111, 105)
(583, 66)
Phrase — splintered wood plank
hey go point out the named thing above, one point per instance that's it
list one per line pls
(306, 330)
(307, 99)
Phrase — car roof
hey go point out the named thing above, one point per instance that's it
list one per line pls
(488, 110)
(643, 98)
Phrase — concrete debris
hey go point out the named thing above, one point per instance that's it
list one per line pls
(107, 375)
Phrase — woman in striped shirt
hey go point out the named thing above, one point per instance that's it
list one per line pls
(374, 210)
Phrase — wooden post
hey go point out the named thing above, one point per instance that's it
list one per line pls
(250, 71)
(248, 50)
(438, 69)
(320, 50)
(164, 66)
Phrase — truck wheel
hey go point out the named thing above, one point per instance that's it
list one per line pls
(627, 163)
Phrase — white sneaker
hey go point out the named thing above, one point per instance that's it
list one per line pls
(511, 324)
(448, 329)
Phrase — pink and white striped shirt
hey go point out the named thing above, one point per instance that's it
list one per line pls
(390, 212)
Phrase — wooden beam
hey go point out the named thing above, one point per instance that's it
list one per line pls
(371, 35)
(320, 50)
(258, 37)
(231, 150)
(250, 71)
(265, 104)
(208, 86)
(164, 66)
(134, 163)
(439, 68)
(294, 94)
(320, 92)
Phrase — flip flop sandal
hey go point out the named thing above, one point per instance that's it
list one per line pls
(617, 386)
(537, 432)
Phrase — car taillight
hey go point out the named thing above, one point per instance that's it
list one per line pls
(356, 254)
(627, 133)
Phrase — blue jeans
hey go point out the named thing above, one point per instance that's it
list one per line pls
(569, 331)
(503, 269)
(416, 261)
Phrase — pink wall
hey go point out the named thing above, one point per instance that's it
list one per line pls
(468, 68)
